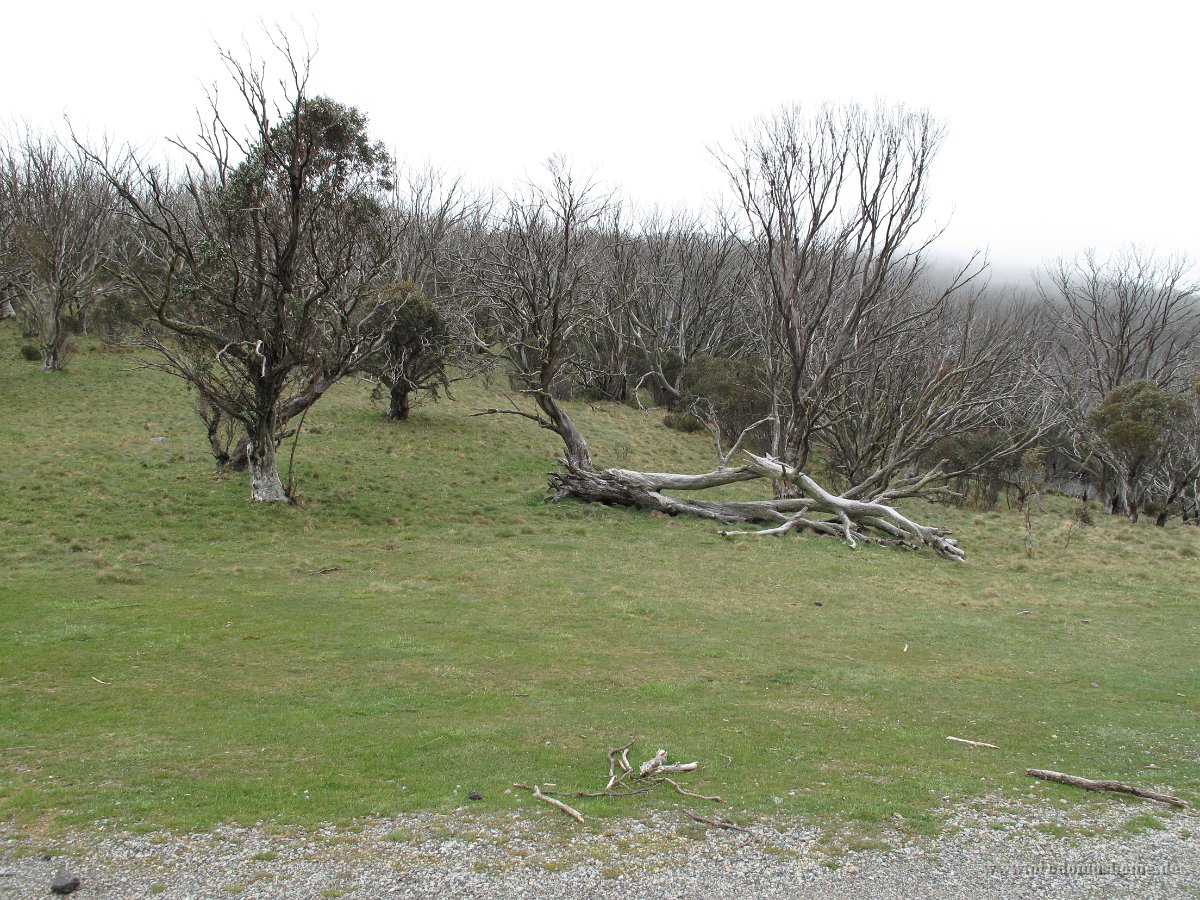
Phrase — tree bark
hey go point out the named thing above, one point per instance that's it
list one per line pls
(265, 484)
(7, 311)
(400, 402)
(52, 359)
(578, 454)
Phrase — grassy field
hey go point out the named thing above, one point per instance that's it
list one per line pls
(169, 656)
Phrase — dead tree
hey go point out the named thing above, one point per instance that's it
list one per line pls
(1129, 317)
(534, 273)
(62, 224)
(831, 205)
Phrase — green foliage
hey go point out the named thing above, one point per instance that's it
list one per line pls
(684, 422)
(417, 347)
(729, 392)
(31, 352)
(1134, 418)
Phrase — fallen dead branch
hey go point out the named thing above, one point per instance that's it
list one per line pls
(681, 789)
(717, 823)
(618, 756)
(649, 774)
(557, 804)
(973, 743)
(1089, 784)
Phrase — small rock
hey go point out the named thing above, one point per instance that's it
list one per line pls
(65, 884)
(475, 795)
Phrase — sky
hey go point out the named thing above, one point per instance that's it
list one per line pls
(1069, 125)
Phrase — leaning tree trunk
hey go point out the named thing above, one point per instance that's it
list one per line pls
(849, 519)
(265, 484)
(578, 454)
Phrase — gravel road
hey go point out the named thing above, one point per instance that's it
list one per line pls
(998, 849)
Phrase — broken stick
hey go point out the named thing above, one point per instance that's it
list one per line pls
(1089, 784)
(650, 766)
(617, 757)
(557, 804)
(685, 791)
(717, 823)
(973, 743)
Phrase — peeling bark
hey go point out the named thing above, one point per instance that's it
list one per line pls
(265, 484)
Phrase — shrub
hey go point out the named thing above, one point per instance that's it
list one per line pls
(685, 422)
(31, 352)
(731, 390)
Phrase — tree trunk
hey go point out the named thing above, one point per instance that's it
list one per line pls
(238, 460)
(52, 359)
(265, 485)
(852, 520)
(400, 401)
(579, 456)
(6, 310)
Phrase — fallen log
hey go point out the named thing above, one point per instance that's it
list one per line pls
(1089, 784)
(850, 519)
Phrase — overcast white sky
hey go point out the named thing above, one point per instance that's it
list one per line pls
(1070, 124)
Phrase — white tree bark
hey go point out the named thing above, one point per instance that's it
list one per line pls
(849, 519)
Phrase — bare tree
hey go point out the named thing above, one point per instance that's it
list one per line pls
(535, 272)
(61, 225)
(261, 261)
(929, 369)
(1129, 317)
(832, 203)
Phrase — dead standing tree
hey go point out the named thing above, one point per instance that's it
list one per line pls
(534, 272)
(832, 204)
(261, 262)
(62, 219)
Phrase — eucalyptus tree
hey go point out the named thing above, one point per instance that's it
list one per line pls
(262, 260)
(59, 227)
(534, 270)
(1128, 318)
(831, 206)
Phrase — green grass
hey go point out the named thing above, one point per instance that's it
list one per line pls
(169, 659)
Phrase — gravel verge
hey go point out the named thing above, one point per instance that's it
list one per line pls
(994, 849)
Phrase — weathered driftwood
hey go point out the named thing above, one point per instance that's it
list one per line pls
(684, 791)
(847, 518)
(557, 804)
(1089, 784)
(618, 757)
(653, 764)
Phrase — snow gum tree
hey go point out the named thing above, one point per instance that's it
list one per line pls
(261, 261)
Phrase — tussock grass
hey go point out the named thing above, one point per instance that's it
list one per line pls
(472, 635)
